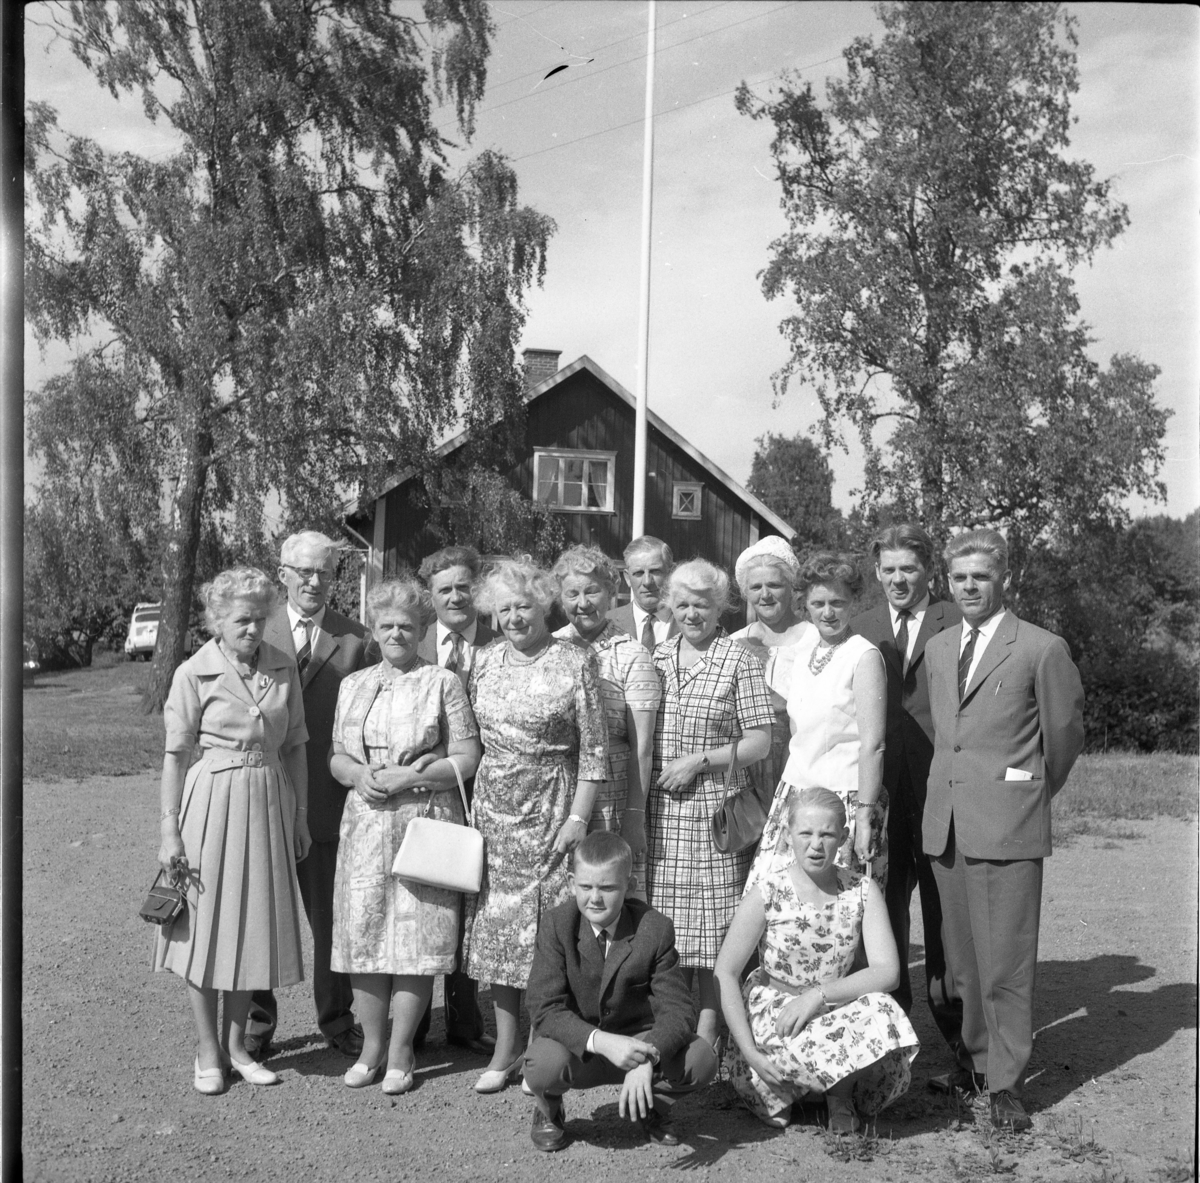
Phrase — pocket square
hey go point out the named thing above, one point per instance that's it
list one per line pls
(1017, 774)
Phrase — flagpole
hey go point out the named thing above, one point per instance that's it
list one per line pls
(639, 436)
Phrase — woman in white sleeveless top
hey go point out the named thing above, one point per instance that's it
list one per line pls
(837, 707)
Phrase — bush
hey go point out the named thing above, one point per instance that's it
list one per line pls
(1147, 701)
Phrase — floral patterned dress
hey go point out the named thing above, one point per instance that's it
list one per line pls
(543, 731)
(806, 944)
(627, 679)
(704, 706)
(381, 924)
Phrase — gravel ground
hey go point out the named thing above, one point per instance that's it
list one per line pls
(109, 1045)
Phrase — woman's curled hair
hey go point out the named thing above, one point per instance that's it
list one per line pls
(700, 577)
(588, 562)
(236, 583)
(825, 567)
(516, 576)
(400, 595)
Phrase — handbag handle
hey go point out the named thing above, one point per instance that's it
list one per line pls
(729, 772)
(462, 789)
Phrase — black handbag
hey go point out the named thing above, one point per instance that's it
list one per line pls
(740, 818)
(166, 902)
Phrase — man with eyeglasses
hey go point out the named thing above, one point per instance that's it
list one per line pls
(327, 646)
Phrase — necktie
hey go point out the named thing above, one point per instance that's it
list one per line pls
(456, 653)
(304, 651)
(964, 661)
(648, 632)
(902, 638)
(602, 941)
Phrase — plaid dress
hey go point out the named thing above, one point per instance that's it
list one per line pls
(703, 707)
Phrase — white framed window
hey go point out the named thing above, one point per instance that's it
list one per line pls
(573, 481)
(686, 499)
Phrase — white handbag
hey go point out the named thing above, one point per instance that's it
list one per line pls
(439, 853)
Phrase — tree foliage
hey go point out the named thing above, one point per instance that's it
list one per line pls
(298, 300)
(932, 217)
(793, 477)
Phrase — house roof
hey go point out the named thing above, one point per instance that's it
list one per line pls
(660, 425)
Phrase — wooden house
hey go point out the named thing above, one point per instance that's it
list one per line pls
(578, 458)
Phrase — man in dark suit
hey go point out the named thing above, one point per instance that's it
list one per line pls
(452, 642)
(1007, 705)
(327, 646)
(900, 629)
(648, 562)
(609, 1003)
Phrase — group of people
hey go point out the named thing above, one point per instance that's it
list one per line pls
(915, 746)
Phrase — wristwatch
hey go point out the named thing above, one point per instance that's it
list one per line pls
(704, 762)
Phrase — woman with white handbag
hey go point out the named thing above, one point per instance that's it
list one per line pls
(404, 736)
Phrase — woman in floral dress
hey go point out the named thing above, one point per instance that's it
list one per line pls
(398, 726)
(587, 583)
(803, 1025)
(713, 694)
(541, 720)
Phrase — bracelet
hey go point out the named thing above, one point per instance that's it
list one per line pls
(301, 808)
(574, 817)
(824, 1000)
(866, 805)
(168, 813)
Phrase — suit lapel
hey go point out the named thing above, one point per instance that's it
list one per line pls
(931, 625)
(324, 646)
(618, 950)
(878, 630)
(996, 652)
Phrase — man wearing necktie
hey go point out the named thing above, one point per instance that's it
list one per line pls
(648, 562)
(327, 646)
(900, 629)
(452, 643)
(1007, 706)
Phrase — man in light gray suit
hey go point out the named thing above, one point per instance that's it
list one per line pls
(327, 646)
(1007, 705)
(648, 562)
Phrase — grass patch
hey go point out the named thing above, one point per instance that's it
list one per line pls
(1129, 786)
(89, 722)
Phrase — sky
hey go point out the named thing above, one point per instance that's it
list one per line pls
(575, 141)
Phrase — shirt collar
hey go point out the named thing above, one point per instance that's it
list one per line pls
(295, 617)
(468, 634)
(987, 629)
(916, 613)
(640, 614)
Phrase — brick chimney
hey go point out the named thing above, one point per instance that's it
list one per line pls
(540, 364)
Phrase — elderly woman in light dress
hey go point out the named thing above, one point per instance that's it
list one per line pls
(234, 822)
(766, 574)
(538, 703)
(401, 728)
(587, 585)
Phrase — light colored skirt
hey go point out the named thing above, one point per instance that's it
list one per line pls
(381, 924)
(242, 926)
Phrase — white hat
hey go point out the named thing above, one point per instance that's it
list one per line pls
(772, 549)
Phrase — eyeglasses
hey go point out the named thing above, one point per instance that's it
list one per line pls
(320, 574)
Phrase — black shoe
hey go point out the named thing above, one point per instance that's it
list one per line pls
(258, 1047)
(970, 1084)
(1008, 1113)
(549, 1133)
(658, 1129)
(348, 1042)
(481, 1045)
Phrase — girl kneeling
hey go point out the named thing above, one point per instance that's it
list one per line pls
(803, 1024)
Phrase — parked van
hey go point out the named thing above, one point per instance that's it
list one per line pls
(143, 631)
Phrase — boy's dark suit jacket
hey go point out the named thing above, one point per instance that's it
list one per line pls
(638, 990)
(340, 649)
(909, 720)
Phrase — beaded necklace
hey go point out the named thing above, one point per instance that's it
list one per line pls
(817, 664)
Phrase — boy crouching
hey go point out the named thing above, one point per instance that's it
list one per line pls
(609, 1003)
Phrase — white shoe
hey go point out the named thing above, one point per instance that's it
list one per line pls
(494, 1079)
(360, 1075)
(209, 1081)
(253, 1073)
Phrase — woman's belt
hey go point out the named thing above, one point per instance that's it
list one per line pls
(788, 987)
(223, 759)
